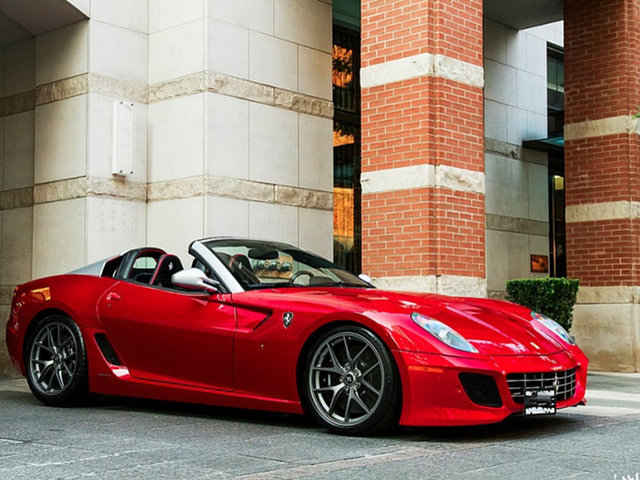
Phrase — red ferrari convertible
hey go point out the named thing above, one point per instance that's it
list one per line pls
(265, 325)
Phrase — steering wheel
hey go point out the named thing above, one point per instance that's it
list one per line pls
(300, 273)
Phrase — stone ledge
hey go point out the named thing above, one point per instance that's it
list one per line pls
(423, 176)
(62, 89)
(208, 81)
(622, 124)
(503, 223)
(593, 212)
(17, 198)
(17, 103)
(240, 189)
(454, 285)
(609, 295)
(420, 65)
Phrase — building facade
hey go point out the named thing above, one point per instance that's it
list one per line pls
(418, 141)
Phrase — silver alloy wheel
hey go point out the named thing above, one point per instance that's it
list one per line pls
(53, 358)
(346, 379)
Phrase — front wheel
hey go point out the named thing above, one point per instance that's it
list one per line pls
(350, 382)
(56, 362)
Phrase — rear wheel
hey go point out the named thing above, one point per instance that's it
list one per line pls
(350, 382)
(56, 362)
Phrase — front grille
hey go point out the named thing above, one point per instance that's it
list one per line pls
(566, 383)
(481, 389)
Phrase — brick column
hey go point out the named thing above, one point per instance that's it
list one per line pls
(602, 162)
(423, 151)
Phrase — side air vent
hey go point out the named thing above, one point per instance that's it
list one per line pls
(107, 350)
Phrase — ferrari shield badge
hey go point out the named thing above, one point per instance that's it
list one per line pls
(287, 317)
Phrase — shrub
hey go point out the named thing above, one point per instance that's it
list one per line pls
(553, 297)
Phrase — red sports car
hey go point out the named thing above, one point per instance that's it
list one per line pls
(265, 325)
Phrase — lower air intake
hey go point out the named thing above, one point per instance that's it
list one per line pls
(481, 389)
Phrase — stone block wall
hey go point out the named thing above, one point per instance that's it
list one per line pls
(231, 128)
(517, 203)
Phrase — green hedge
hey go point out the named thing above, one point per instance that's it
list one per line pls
(553, 297)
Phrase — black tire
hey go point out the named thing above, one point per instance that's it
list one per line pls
(350, 382)
(56, 360)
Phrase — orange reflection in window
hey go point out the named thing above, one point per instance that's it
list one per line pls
(343, 213)
(342, 66)
(340, 138)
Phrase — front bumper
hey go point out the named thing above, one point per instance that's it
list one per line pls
(433, 394)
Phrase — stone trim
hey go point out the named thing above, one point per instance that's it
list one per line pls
(81, 187)
(117, 188)
(605, 295)
(188, 85)
(117, 88)
(240, 88)
(178, 87)
(239, 189)
(423, 64)
(593, 212)
(504, 223)
(460, 179)
(517, 152)
(443, 284)
(622, 124)
(17, 198)
(60, 190)
(176, 188)
(91, 83)
(122, 189)
(403, 178)
(504, 149)
(423, 176)
(62, 89)
(17, 103)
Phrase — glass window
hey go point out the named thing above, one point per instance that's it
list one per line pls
(555, 90)
(346, 149)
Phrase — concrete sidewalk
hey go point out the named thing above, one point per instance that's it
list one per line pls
(124, 438)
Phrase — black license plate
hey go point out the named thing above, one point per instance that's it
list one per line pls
(540, 402)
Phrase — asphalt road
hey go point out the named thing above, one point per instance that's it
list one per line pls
(122, 438)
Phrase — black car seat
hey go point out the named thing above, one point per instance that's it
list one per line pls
(240, 266)
(167, 266)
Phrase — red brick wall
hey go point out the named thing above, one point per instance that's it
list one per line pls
(397, 125)
(401, 28)
(602, 58)
(604, 253)
(603, 169)
(399, 231)
(422, 121)
(602, 75)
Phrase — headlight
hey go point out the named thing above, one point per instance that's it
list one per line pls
(554, 326)
(444, 333)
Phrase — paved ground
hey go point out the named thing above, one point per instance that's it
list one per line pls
(121, 438)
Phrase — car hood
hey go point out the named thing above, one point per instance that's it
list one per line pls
(494, 327)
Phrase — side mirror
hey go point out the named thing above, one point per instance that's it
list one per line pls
(195, 279)
(365, 278)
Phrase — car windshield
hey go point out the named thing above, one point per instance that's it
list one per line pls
(260, 264)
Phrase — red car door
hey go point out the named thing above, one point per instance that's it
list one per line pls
(171, 336)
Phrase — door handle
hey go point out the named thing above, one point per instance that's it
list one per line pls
(113, 296)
